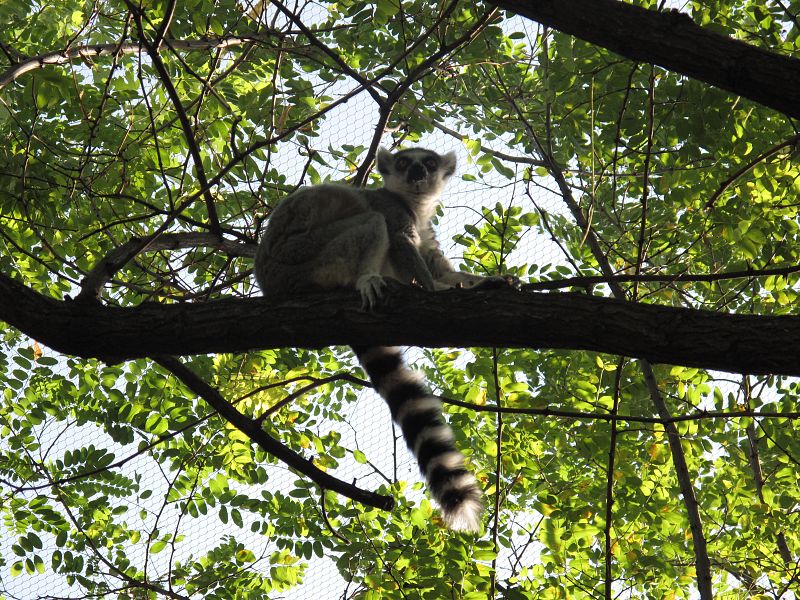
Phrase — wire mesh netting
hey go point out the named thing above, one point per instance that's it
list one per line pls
(140, 175)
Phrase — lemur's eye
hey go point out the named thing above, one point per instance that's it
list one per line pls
(431, 164)
(402, 163)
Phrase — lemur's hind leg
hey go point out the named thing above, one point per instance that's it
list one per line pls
(457, 279)
(355, 256)
(446, 277)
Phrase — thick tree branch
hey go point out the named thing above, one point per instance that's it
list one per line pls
(464, 318)
(252, 428)
(674, 41)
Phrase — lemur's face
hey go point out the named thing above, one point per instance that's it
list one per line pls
(415, 172)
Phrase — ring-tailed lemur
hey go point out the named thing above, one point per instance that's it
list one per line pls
(329, 236)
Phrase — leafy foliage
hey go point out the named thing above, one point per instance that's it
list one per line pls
(116, 480)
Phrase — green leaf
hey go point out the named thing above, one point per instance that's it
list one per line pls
(157, 547)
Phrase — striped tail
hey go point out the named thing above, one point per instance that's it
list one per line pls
(419, 415)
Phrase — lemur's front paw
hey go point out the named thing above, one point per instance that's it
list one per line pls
(370, 286)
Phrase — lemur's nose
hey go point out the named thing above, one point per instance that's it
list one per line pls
(416, 173)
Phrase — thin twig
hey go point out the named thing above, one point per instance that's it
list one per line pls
(612, 453)
(614, 279)
(596, 416)
(792, 141)
(498, 471)
(328, 524)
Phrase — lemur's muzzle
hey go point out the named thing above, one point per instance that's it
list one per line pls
(416, 172)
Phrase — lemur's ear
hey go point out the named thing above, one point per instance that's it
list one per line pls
(384, 160)
(449, 163)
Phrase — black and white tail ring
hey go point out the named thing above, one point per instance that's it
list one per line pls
(419, 415)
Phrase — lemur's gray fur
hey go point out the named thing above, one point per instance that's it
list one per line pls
(330, 236)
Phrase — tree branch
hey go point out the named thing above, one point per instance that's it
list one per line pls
(122, 255)
(702, 563)
(589, 281)
(672, 40)
(89, 51)
(152, 48)
(503, 317)
(579, 415)
(253, 430)
(754, 458)
(791, 142)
